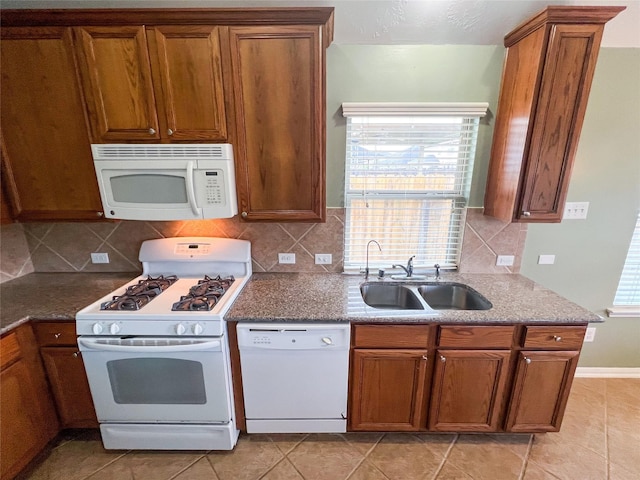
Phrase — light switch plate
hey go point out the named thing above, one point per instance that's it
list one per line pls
(590, 335)
(575, 210)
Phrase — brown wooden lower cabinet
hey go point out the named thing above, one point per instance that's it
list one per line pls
(389, 389)
(66, 374)
(27, 414)
(541, 389)
(461, 378)
(468, 390)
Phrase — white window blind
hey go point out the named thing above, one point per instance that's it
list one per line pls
(407, 177)
(628, 292)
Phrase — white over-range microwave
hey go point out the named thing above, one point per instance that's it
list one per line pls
(166, 181)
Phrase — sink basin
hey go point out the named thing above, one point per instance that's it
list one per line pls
(391, 297)
(453, 296)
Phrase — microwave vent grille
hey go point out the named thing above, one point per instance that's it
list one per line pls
(157, 152)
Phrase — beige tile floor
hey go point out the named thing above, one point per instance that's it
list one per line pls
(600, 439)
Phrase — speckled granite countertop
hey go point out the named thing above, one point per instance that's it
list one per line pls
(53, 296)
(298, 297)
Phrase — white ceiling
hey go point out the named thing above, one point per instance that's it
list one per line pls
(400, 22)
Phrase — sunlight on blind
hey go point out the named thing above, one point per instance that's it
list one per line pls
(628, 292)
(406, 185)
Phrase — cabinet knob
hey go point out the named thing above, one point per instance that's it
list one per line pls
(526, 214)
(76, 354)
(100, 214)
(557, 338)
(244, 214)
(169, 132)
(424, 357)
(527, 360)
(57, 335)
(442, 359)
(152, 131)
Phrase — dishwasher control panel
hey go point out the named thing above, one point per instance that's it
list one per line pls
(293, 336)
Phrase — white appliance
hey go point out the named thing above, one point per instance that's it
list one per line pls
(156, 351)
(166, 181)
(294, 376)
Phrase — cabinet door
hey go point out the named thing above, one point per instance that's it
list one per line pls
(117, 83)
(26, 412)
(541, 389)
(468, 390)
(68, 380)
(279, 93)
(47, 165)
(569, 65)
(187, 64)
(388, 390)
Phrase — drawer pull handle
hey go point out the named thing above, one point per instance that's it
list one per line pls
(557, 338)
(527, 360)
(57, 335)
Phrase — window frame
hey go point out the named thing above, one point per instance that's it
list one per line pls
(458, 195)
(630, 274)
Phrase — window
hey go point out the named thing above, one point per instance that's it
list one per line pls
(407, 178)
(627, 300)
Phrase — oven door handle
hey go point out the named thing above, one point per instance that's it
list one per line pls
(90, 344)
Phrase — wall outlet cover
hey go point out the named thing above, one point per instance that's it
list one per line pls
(99, 258)
(546, 259)
(590, 335)
(323, 259)
(287, 258)
(505, 260)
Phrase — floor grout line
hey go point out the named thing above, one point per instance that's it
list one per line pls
(606, 428)
(525, 461)
(446, 457)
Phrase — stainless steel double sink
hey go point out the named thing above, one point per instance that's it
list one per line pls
(436, 295)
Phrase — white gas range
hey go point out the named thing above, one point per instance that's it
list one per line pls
(156, 351)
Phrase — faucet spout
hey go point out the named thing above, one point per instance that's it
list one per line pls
(408, 269)
(366, 269)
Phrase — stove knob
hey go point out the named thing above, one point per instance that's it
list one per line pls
(97, 329)
(198, 329)
(114, 328)
(181, 329)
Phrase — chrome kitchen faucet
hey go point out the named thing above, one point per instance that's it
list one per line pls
(366, 269)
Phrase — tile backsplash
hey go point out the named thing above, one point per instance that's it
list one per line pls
(66, 247)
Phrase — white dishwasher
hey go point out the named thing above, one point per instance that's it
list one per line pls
(294, 376)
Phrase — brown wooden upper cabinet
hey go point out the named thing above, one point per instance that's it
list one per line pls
(546, 80)
(47, 167)
(161, 83)
(279, 93)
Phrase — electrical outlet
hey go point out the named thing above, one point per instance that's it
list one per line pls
(505, 260)
(546, 259)
(99, 258)
(575, 210)
(323, 259)
(286, 258)
(590, 335)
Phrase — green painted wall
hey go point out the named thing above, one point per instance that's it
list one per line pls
(589, 253)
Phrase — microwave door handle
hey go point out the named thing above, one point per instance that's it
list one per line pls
(191, 192)
(190, 347)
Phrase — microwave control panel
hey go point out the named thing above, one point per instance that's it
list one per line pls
(214, 187)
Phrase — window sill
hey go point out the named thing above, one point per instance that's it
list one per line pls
(630, 311)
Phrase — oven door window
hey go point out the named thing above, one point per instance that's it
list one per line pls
(159, 381)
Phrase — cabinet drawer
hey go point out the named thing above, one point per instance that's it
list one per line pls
(554, 337)
(9, 350)
(55, 333)
(476, 336)
(392, 336)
